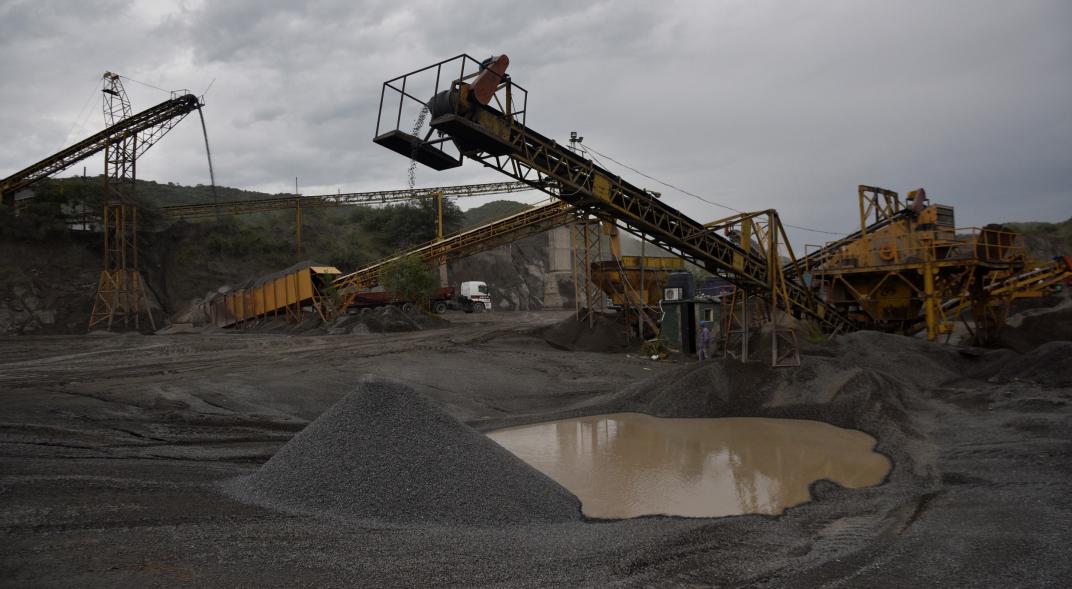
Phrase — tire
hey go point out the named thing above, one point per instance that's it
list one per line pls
(408, 308)
(439, 307)
(479, 308)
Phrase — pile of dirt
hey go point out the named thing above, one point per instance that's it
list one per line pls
(387, 319)
(386, 453)
(839, 382)
(608, 335)
(1035, 327)
(1047, 365)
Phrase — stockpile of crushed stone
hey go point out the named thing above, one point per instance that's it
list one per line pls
(1035, 327)
(386, 453)
(387, 319)
(608, 334)
(863, 380)
(1049, 364)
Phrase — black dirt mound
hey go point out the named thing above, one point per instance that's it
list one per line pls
(1049, 364)
(386, 453)
(608, 334)
(1035, 327)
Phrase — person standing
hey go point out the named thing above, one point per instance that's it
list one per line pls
(705, 342)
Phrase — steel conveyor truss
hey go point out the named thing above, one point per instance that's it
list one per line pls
(379, 197)
(495, 134)
(158, 120)
(883, 204)
(531, 221)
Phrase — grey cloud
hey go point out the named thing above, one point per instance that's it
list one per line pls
(756, 104)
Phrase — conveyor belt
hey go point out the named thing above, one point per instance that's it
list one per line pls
(161, 114)
(519, 152)
(529, 222)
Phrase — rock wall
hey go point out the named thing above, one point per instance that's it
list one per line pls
(46, 288)
(522, 276)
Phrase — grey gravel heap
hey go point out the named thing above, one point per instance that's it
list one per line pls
(386, 453)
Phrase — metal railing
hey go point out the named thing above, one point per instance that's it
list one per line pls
(969, 244)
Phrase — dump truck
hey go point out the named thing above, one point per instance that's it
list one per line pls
(471, 297)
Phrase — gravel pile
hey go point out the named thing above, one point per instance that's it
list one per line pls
(608, 334)
(1049, 364)
(385, 453)
(1034, 327)
(386, 319)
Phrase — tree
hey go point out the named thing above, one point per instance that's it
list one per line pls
(405, 225)
(47, 214)
(410, 279)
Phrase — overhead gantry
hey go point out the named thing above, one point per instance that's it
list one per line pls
(344, 199)
(154, 122)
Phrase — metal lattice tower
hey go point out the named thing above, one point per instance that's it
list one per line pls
(586, 246)
(121, 289)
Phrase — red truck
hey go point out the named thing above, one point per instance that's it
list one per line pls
(473, 298)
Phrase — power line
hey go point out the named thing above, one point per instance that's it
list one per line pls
(654, 179)
(588, 148)
(814, 230)
(79, 121)
(146, 85)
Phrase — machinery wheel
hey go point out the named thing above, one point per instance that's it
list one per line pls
(439, 307)
(408, 307)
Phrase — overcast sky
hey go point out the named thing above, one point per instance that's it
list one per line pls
(754, 104)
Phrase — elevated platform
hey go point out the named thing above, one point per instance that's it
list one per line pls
(413, 148)
(472, 137)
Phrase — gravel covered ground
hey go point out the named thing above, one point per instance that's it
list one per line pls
(117, 453)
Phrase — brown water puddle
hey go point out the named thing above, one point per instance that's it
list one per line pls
(630, 464)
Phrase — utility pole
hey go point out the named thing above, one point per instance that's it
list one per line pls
(643, 296)
(439, 236)
(297, 218)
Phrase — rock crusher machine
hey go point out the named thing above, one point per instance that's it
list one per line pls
(909, 269)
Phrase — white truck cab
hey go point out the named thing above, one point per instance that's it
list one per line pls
(477, 293)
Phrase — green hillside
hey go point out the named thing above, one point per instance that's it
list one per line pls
(491, 211)
(346, 237)
(1045, 240)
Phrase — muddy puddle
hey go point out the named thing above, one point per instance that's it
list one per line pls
(629, 464)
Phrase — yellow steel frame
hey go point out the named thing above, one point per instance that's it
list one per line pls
(537, 159)
(761, 234)
(586, 248)
(893, 270)
(615, 277)
(999, 291)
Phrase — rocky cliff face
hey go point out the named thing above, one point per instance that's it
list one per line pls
(519, 276)
(46, 288)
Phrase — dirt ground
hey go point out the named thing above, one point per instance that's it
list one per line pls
(115, 451)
